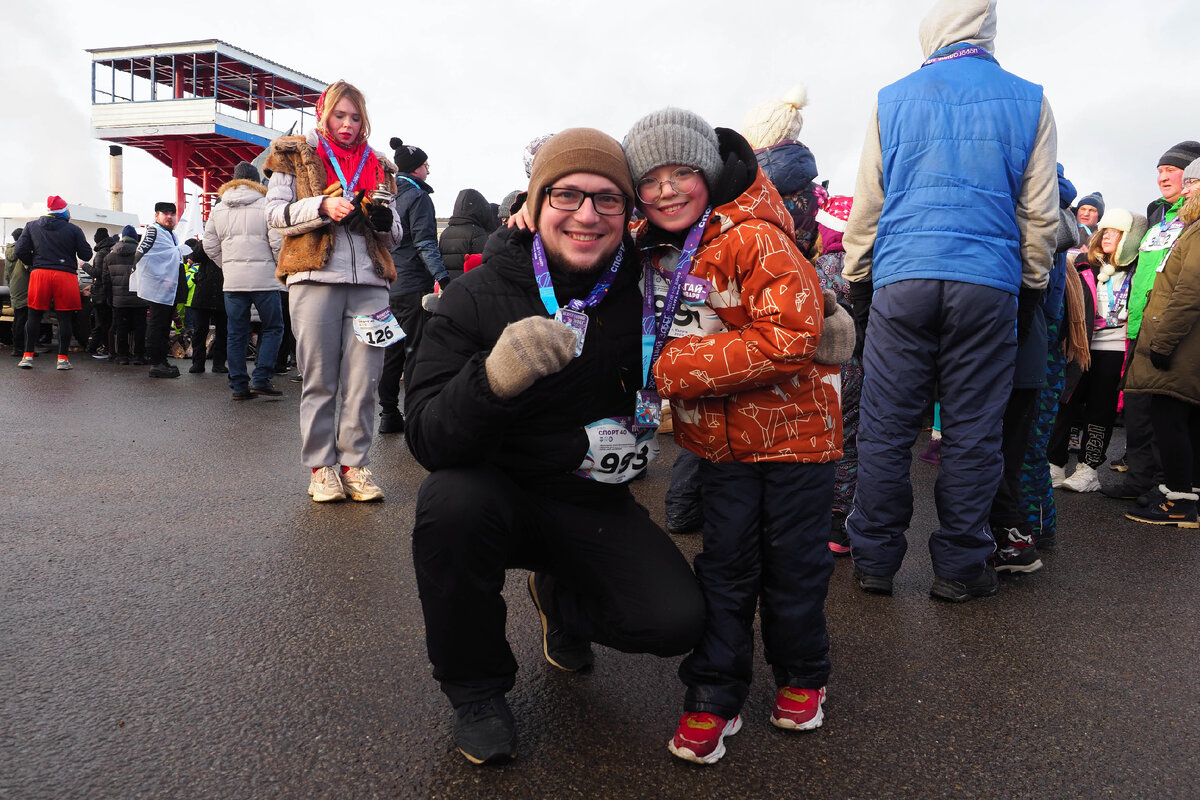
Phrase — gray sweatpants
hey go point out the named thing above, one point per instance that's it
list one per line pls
(335, 365)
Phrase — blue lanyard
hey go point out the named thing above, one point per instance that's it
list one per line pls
(1116, 300)
(654, 337)
(347, 188)
(546, 286)
(964, 53)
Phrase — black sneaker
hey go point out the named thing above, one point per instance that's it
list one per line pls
(164, 371)
(1119, 465)
(268, 389)
(873, 584)
(297, 378)
(560, 648)
(985, 585)
(683, 526)
(196, 369)
(839, 539)
(220, 369)
(1123, 489)
(1175, 508)
(485, 732)
(242, 394)
(391, 422)
(1015, 552)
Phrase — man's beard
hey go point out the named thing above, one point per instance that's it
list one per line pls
(560, 262)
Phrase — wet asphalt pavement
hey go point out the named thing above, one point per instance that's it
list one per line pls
(178, 619)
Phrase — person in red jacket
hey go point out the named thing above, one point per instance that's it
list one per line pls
(50, 246)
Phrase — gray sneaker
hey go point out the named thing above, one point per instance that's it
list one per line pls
(63, 364)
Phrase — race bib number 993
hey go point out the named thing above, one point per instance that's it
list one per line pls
(615, 453)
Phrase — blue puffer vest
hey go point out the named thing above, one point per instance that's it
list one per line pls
(955, 136)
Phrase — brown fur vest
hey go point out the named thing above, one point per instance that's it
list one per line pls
(292, 155)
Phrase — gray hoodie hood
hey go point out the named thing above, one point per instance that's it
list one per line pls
(954, 21)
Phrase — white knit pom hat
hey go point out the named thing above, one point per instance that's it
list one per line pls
(776, 120)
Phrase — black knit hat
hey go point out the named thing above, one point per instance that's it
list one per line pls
(100, 235)
(245, 171)
(164, 208)
(1181, 155)
(17, 233)
(408, 158)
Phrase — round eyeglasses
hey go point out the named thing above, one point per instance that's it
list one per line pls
(682, 180)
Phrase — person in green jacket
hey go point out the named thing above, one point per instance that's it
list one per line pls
(1143, 470)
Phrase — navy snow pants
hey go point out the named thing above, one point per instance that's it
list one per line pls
(766, 545)
(963, 336)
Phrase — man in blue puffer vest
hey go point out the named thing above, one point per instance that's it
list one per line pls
(948, 250)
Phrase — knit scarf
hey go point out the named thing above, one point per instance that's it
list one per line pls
(347, 159)
(1075, 343)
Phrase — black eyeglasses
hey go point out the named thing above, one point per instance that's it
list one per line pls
(682, 180)
(607, 203)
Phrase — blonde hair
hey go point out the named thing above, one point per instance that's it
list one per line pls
(1095, 249)
(334, 95)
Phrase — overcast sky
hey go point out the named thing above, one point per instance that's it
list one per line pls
(472, 81)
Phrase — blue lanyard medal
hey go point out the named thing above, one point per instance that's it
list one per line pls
(574, 316)
(654, 336)
(347, 186)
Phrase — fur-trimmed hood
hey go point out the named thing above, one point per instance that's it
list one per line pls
(240, 182)
(1133, 228)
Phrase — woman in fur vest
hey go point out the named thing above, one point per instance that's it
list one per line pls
(330, 196)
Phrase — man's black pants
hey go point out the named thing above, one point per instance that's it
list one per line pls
(618, 581)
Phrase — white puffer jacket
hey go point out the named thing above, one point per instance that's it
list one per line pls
(238, 239)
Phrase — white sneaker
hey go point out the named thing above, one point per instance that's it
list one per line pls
(63, 364)
(1057, 476)
(1083, 479)
(359, 485)
(26, 362)
(325, 485)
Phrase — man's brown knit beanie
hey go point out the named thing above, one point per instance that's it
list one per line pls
(577, 150)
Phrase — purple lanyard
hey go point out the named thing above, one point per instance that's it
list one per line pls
(655, 337)
(546, 286)
(964, 53)
(347, 188)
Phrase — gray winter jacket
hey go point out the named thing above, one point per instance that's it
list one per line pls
(238, 240)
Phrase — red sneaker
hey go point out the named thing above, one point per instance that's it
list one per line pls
(799, 709)
(700, 736)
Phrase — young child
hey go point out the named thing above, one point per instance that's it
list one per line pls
(831, 224)
(735, 351)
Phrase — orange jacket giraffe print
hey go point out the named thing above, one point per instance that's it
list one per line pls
(752, 392)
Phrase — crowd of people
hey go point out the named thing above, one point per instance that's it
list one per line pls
(704, 276)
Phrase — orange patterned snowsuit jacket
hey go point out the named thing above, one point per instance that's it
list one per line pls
(753, 392)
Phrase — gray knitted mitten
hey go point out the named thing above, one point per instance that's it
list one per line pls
(837, 336)
(528, 349)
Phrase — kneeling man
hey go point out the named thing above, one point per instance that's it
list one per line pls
(523, 405)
